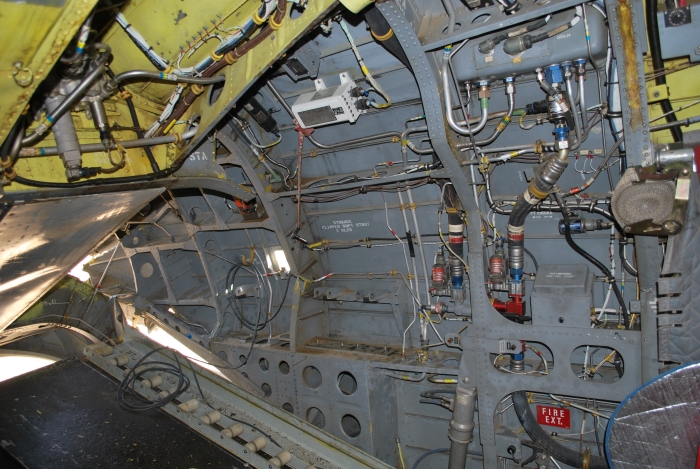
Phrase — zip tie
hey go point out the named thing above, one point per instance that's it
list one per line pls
(384, 37)
(214, 56)
(125, 95)
(273, 24)
(257, 20)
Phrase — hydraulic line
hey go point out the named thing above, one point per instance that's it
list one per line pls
(484, 102)
(135, 121)
(591, 259)
(572, 106)
(412, 207)
(510, 91)
(113, 181)
(537, 190)
(96, 147)
(542, 439)
(652, 7)
(146, 75)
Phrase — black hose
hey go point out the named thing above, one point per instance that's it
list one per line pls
(101, 182)
(542, 439)
(380, 29)
(658, 63)
(623, 257)
(591, 259)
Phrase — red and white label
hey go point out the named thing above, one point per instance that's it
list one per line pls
(553, 416)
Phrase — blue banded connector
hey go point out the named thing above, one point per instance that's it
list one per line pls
(518, 356)
(516, 275)
(561, 133)
(553, 74)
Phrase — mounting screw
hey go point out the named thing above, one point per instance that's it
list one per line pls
(561, 320)
(697, 51)
(511, 450)
(656, 94)
(465, 380)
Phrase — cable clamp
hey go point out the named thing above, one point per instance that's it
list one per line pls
(531, 398)
(409, 276)
(214, 56)
(249, 261)
(178, 138)
(450, 210)
(393, 273)
(384, 37)
(396, 139)
(257, 20)
(10, 173)
(230, 58)
(313, 154)
(274, 25)
(125, 95)
(169, 69)
(403, 206)
(586, 460)
(412, 206)
(197, 89)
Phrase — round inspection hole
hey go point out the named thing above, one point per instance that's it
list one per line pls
(315, 417)
(242, 360)
(451, 362)
(284, 368)
(481, 19)
(602, 364)
(457, 26)
(312, 377)
(264, 365)
(347, 383)
(223, 356)
(351, 426)
(267, 389)
(147, 270)
(288, 407)
(177, 328)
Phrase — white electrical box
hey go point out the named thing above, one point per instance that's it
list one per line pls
(327, 105)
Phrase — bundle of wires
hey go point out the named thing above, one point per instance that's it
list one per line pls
(344, 194)
(137, 402)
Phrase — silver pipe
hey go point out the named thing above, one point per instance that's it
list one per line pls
(498, 130)
(448, 104)
(461, 431)
(582, 101)
(95, 147)
(67, 104)
(577, 117)
(412, 207)
(451, 15)
(143, 74)
(423, 330)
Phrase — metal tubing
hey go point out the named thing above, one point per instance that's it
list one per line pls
(143, 74)
(572, 106)
(94, 147)
(412, 207)
(448, 104)
(582, 101)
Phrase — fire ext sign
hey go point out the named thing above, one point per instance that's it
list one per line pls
(553, 416)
